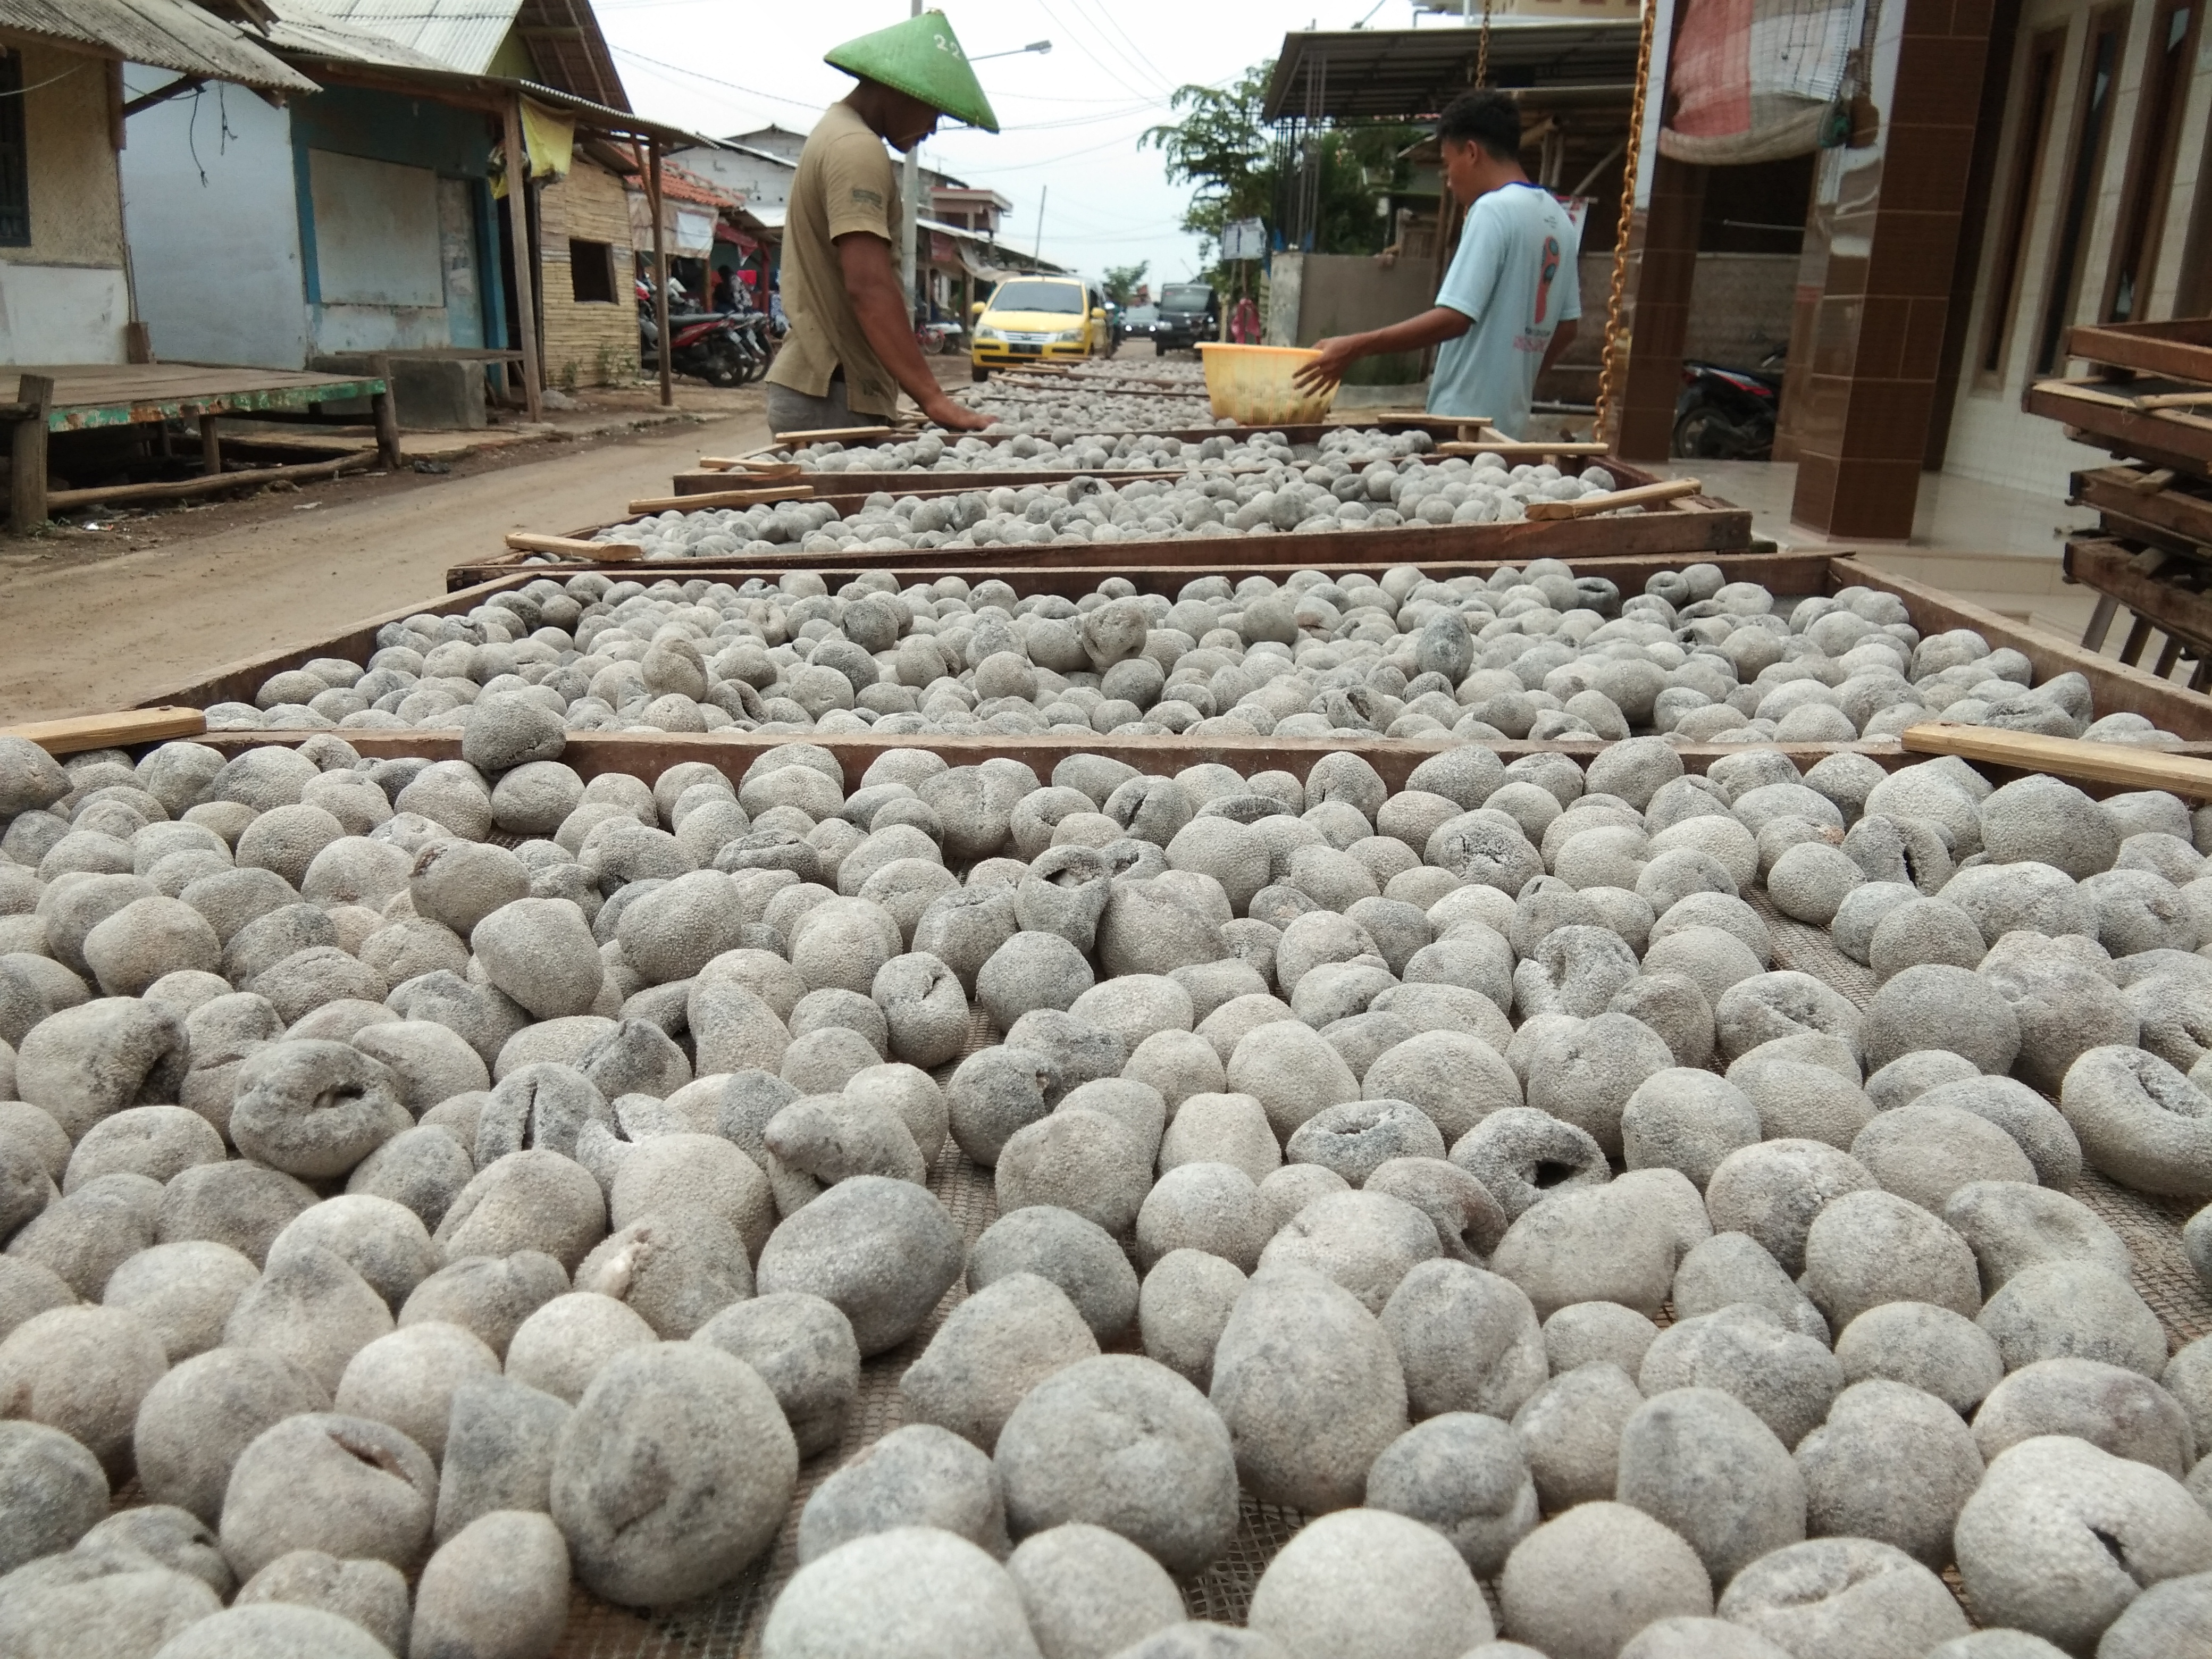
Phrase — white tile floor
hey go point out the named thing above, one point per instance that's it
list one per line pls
(1991, 545)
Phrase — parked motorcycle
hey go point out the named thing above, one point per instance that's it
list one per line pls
(1728, 414)
(937, 338)
(714, 346)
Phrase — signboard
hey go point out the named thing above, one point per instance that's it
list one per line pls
(1244, 239)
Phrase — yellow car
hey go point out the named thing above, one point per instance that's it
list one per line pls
(1033, 318)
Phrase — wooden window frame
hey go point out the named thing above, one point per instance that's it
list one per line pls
(2045, 60)
(2077, 204)
(581, 256)
(2156, 144)
(2193, 298)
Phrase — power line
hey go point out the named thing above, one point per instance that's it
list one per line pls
(716, 79)
(1142, 55)
(1142, 70)
(1084, 47)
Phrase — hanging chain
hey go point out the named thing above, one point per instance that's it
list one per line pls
(1482, 49)
(1634, 154)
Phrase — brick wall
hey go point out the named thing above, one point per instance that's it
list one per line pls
(593, 342)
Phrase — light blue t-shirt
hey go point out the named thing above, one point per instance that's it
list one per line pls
(1515, 275)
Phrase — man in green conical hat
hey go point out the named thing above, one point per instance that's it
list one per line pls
(851, 349)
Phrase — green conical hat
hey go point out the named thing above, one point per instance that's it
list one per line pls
(921, 58)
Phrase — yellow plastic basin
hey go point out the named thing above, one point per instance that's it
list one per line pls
(1251, 384)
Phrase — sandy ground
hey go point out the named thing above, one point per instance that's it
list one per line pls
(87, 624)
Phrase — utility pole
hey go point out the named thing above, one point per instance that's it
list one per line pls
(1043, 191)
(910, 197)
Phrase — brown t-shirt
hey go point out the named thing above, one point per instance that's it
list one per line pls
(844, 183)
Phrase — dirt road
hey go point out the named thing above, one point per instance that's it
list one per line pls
(79, 636)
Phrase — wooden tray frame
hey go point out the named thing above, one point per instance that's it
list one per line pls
(1685, 528)
(2117, 686)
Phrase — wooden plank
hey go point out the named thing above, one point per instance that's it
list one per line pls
(713, 499)
(916, 480)
(82, 732)
(706, 481)
(1613, 501)
(2119, 489)
(2117, 686)
(237, 682)
(843, 434)
(1704, 535)
(2112, 569)
(2144, 532)
(384, 407)
(1512, 450)
(2112, 423)
(569, 547)
(1779, 573)
(2181, 347)
(161, 490)
(521, 266)
(2134, 768)
(28, 502)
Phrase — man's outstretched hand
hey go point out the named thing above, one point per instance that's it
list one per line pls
(957, 418)
(1336, 356)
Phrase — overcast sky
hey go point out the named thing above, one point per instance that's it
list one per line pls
(1071, 118)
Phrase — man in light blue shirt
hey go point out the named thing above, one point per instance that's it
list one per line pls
(1510, 299)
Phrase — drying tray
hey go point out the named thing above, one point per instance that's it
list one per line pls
(728, 1625)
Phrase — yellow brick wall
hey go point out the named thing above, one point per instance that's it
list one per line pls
(589, 343)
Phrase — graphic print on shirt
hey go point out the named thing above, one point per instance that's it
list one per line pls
(1551, 270)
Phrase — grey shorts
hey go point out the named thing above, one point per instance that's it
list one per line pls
(794, 411)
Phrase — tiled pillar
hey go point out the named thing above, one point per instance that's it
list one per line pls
(1656, 309)
(1888, 217)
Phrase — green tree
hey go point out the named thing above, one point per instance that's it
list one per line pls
(1120, 281)
(1221, 148)
(1239, 169)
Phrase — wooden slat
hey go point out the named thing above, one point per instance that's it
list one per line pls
(569, 547)
(704, 480)
(2117, 686)
(2110, 568)
(161, 489)
(82, 732)
(2181, 347)
(843, 434)
(712, 499)
(1780, 573)
(1613, 501)
(2165, 438)
(916, 482)
(2120, 490)
(2187, 776)
(1509, 449)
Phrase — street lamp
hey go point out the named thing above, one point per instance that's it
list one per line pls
(910, 180)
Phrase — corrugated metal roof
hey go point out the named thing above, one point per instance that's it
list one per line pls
(164, 33)
(309, 28)
(461, 34)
